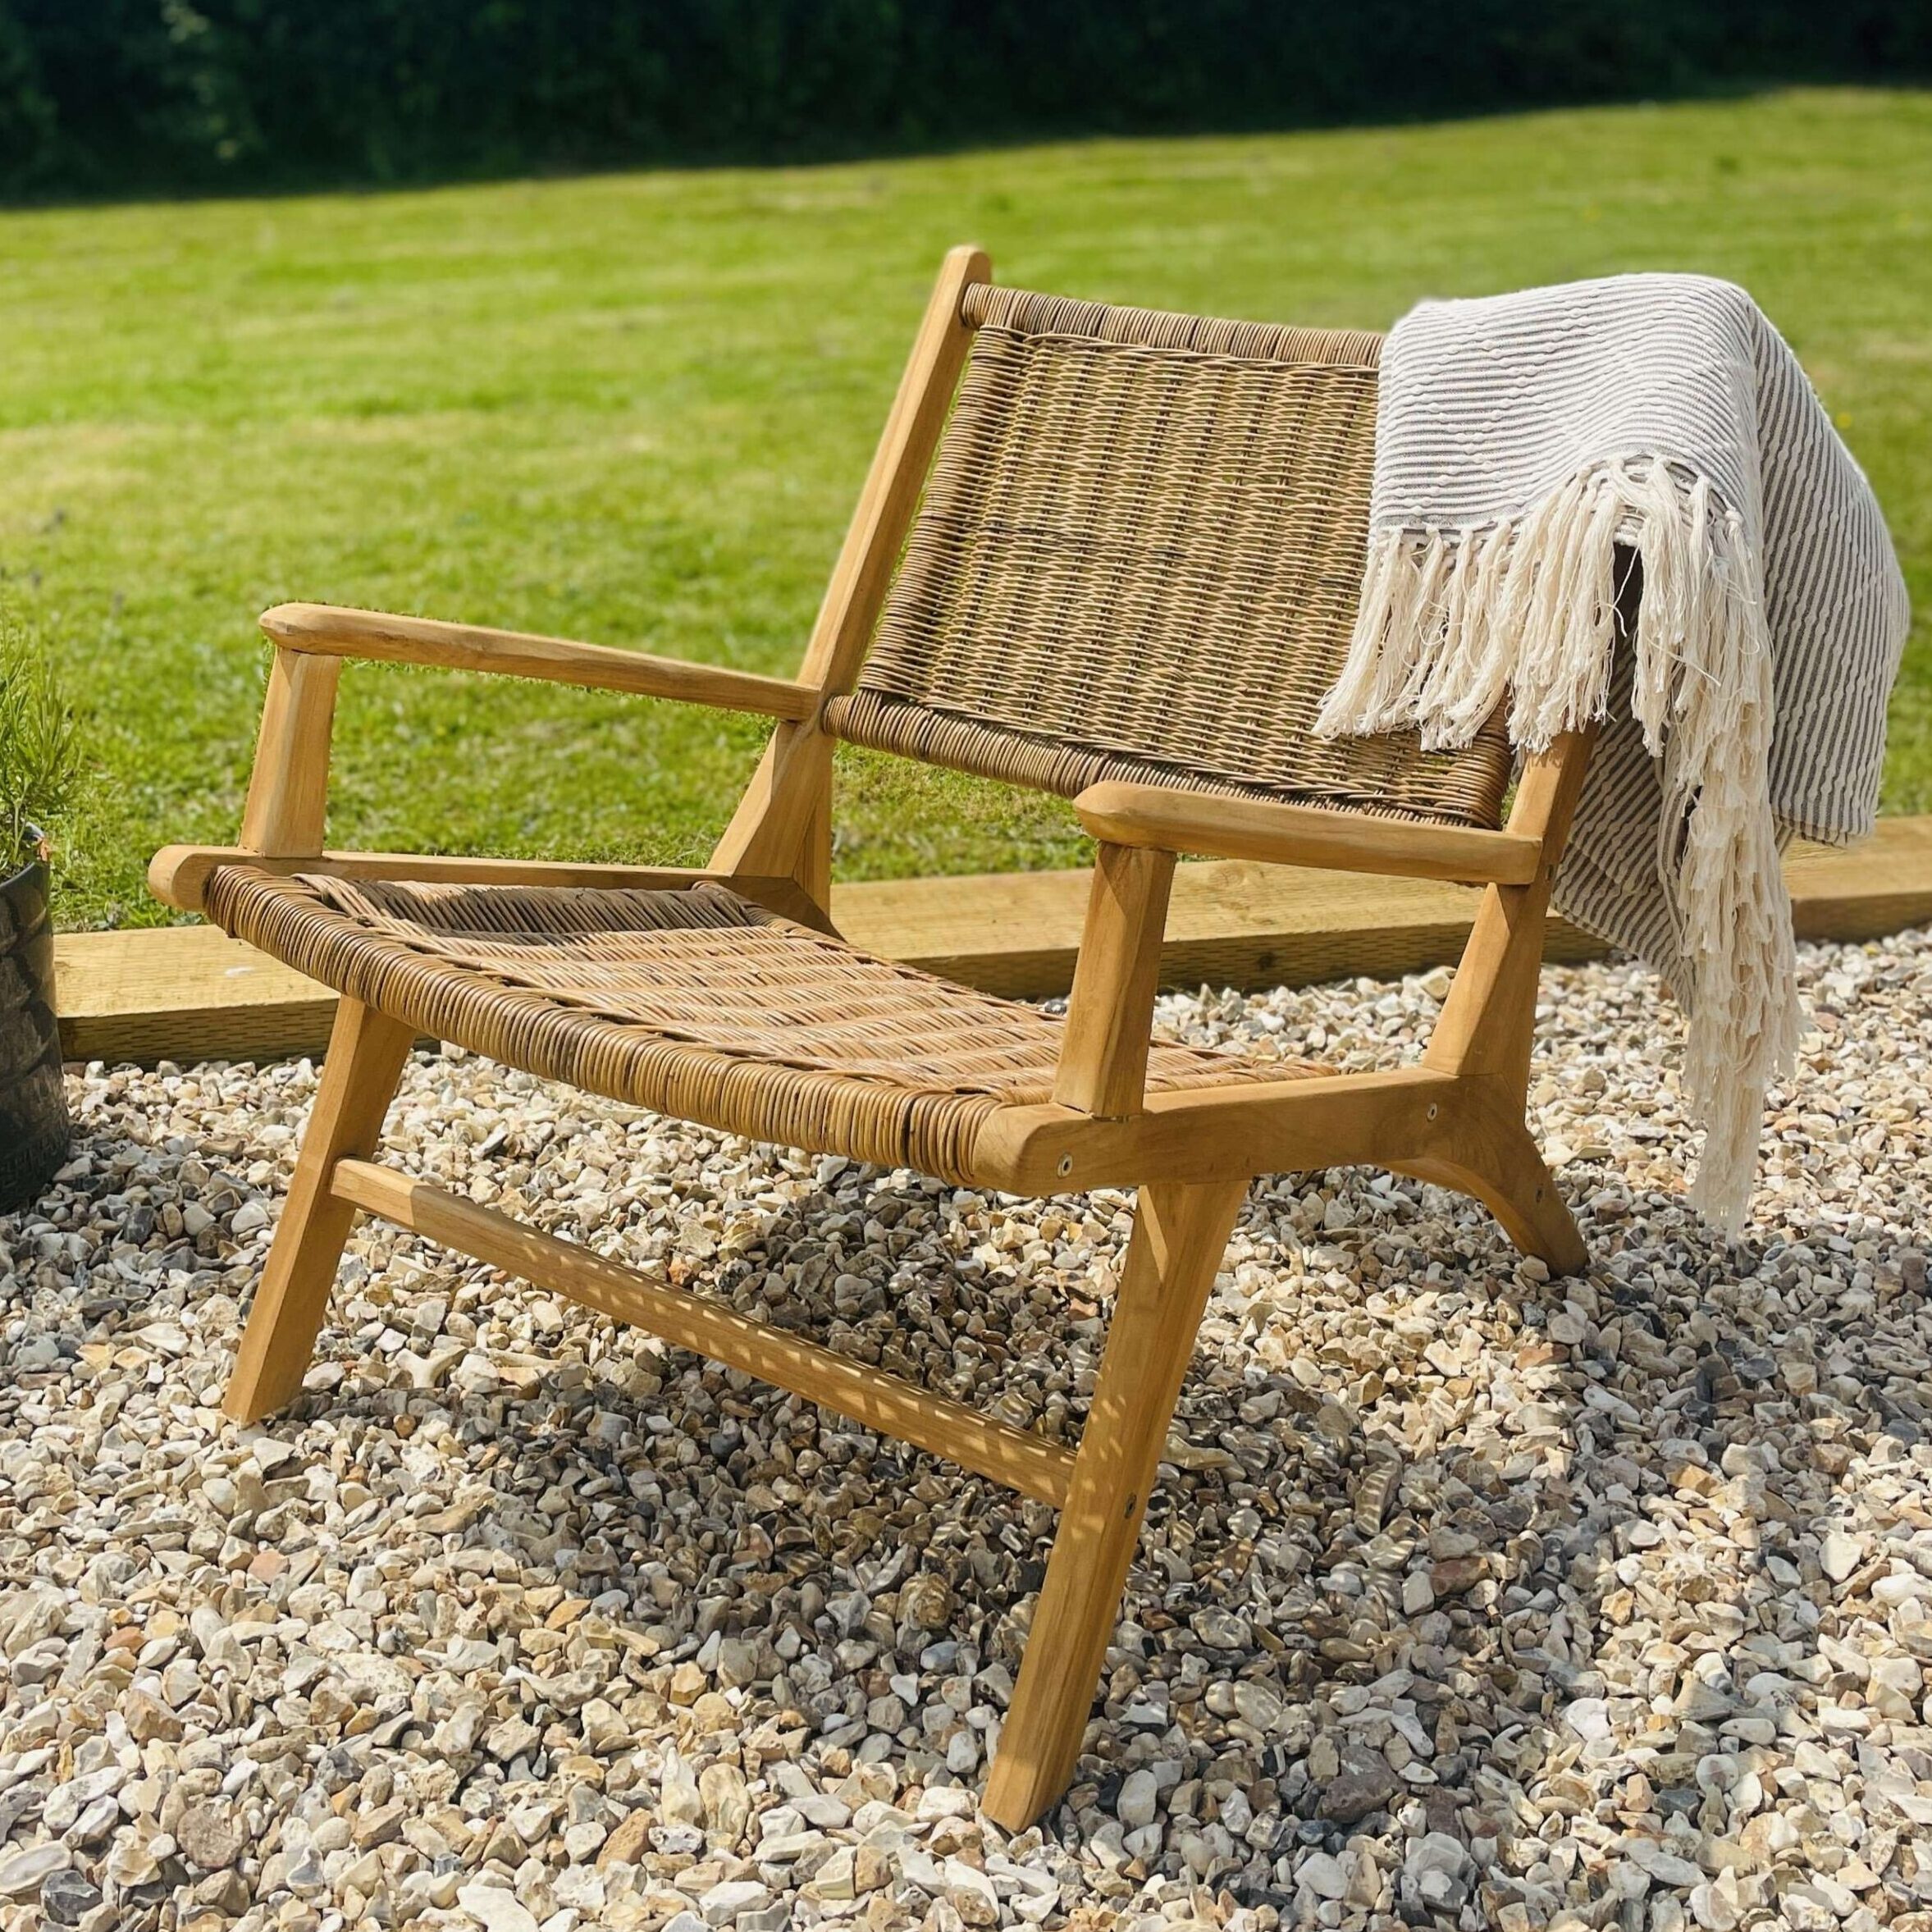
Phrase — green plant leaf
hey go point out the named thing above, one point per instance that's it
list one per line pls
(39, 747)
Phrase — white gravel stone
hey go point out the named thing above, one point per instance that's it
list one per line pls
(1664, 1866)
(495, 1909)
(731, 1898)
(1840, 1554)
(1139, 1803)
(1589, 1718)
(1324, 1875)
(23, 1873)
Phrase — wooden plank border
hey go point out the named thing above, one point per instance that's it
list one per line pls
(191, 993)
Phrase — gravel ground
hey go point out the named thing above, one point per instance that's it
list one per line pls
(1467, 1598)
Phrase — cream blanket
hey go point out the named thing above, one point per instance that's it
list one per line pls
(1520, 438)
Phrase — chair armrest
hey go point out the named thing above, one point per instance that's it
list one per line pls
(323, 630)
(288, 788)
(1168, 820)
(1102, 1066)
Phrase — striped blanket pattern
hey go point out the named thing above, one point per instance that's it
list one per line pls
(1521, 440)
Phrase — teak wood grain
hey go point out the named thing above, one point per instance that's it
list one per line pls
(378, 638)
(366, 1051)
(1488, 1023)
(1110, 1014)
(1168, 820)
(1179, 1235)
(784, 822)
(178, 874)
(289, 786)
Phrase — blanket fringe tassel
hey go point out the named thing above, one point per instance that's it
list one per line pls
(1453, 623)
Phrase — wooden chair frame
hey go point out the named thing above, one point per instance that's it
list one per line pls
(1456, 1117)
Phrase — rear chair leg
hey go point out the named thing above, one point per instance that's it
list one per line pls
(366, 1051)
(1178, 1242)
(1506, 1172)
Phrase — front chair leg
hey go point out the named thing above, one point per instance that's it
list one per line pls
(366, 1051)
(1179, 1238)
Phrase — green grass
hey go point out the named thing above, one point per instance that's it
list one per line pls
(636, 409)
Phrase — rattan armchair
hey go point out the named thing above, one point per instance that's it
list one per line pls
(1103, 551)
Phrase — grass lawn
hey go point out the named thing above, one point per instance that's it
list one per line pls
(636, 409)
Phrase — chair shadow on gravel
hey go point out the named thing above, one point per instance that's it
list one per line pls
(1385, 1597)
(1664, 1627)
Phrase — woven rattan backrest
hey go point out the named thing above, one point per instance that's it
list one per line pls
(1138, 556)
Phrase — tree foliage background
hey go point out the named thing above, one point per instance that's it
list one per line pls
(117, 97)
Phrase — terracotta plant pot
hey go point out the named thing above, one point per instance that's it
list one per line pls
(35, 1130)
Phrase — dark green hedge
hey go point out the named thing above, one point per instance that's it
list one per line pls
(102, 97)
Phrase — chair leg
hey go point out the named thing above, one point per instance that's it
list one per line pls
(367, 1051)
(1506, 1171)
(1179, 1238)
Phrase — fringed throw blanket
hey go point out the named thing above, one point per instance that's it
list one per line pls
(1521, 440)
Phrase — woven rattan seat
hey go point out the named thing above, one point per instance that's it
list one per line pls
(696, 1003)
(1103, 551)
